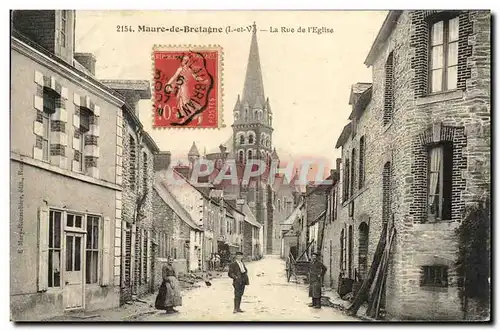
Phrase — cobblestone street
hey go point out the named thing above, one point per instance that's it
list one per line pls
(268, 298)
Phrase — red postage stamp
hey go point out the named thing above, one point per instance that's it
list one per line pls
(187, 87)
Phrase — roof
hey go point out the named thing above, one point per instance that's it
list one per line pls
(296, 213)
(142, 87)
(249, 216)
(233, 207)
(19, 37)
(384, 32)
(172, 202)
(253, 89)
(194, 150)
(357, 89)
(361, 103)
(314, 221)
(346, 132)
(150, 142)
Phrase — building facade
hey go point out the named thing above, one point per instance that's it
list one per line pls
(63, 167)
(416, 153)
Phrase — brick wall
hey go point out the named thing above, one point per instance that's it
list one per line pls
(464, 118)
(142, 275)
(43, 32)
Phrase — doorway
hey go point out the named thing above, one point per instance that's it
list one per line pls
(73, 271)
(363, 250)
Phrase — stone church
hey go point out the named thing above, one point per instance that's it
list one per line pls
(270, 199)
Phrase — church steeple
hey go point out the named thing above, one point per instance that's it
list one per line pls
(253, 90)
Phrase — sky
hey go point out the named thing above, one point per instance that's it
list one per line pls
(307, 76)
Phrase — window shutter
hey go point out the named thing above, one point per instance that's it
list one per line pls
(447, 180)
(43, 248)
(132, 254)
(148, 252)
(105, 274)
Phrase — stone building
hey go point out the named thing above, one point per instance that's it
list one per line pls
(136, 157)
(177, 234)
(253, 234)
(416, 152)
(65, 176)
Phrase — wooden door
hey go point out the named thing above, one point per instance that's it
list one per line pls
(73, 271)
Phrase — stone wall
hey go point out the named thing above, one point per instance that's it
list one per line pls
(462, 117)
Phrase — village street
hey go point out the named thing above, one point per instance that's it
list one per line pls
(268, 298)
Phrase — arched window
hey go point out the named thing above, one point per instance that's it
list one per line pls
(241, 156)
(278, 205)
(250, 139)
(389, 89)
(242, 140)
(249, 154)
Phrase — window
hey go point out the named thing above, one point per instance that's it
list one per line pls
(351, 250)
(435, 275)
(54, 249)
(132, 165)
(335, 198)
(353, 171)
(64, 25)
(386, 192)
(92, 250)
(279, 205)
(241, 156)
(74, 221)
(345, 183)
(439, 181)
(249, 154)
(250, 139)
(342, 250)
(444, 55)
(144, 172)
(242, 140)
(389, 89)
(49, 107)
(85, 115)
(361, 177)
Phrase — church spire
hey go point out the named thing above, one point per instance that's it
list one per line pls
(253, 90)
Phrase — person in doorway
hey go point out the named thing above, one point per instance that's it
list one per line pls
(239, 273)
(169, 295)
(317, 271)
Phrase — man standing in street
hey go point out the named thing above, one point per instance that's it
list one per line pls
(239, 273)
(316, 273)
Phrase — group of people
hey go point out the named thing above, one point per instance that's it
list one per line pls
(214, 262)
(169, 295)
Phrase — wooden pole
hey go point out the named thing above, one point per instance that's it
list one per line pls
(362, 293)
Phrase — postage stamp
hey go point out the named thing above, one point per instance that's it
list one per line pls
(187, 87)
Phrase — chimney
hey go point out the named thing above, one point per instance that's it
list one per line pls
(132, 90)
(162, 161)
(339, 162)
(87, 60)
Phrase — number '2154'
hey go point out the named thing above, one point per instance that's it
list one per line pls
(124, 28)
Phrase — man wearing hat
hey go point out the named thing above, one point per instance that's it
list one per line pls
(316, 273)
(239, 273)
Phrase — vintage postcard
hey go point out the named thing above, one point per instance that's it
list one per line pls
(322, 166)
